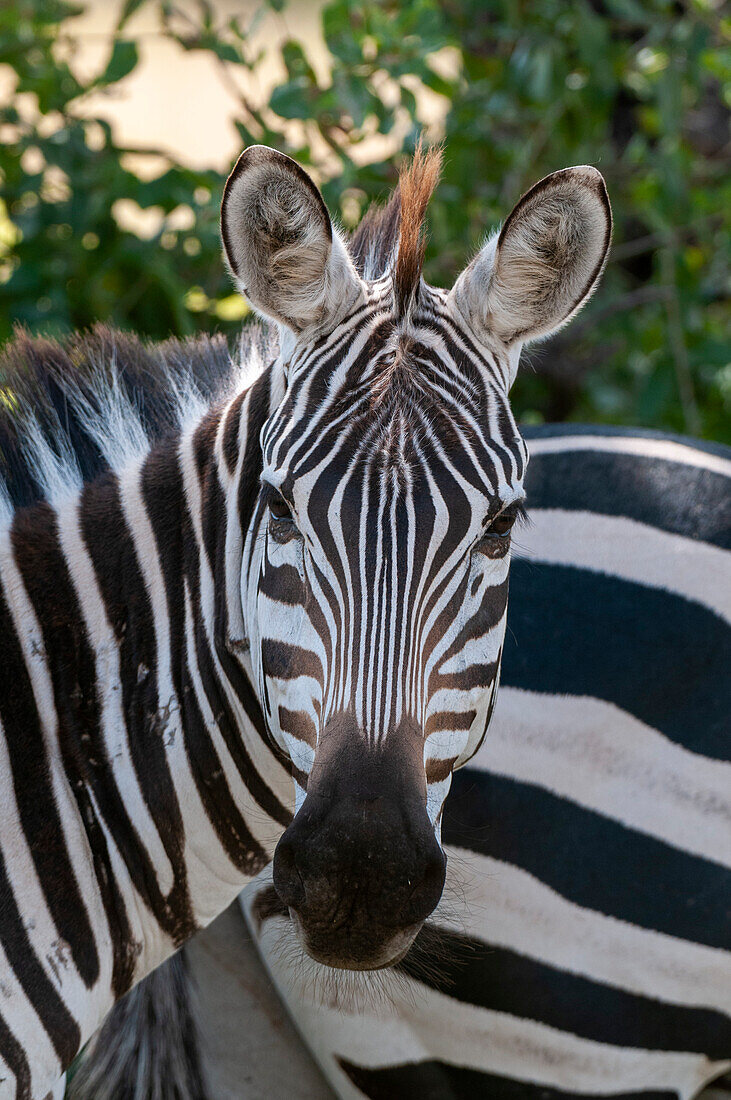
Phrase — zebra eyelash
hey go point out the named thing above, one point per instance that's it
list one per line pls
(521, 513)
(516, 511)
(270, 495)
(281, 525)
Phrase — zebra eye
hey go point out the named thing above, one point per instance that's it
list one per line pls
(502, 525)
(495, 540)
(278, 507)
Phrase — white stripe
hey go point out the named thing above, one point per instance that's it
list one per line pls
(26, 1027)
(145, 935)
(74, 835)
(197, 828)
(109, 689)
(264, 831)
(52, 953)
(6, 507)
(508, 907)
(51, 461)
(145, 544)
(270, 771)
(476, 651)
(633, 551)
(600, 757)
(234, 548)
(666, 449)
(59, 1091)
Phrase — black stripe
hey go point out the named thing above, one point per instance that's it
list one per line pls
(230, 824)
(297, 438)
(62, 1029)
(435, 1080)
(286, 662)
(501, 980)
(230, 440)
(283, 584)
(178, 555)
(214, 535)
(257, 409)
(127, 605)
(485, 618)
(14, 1057)
(684, 500)
(37, 557)
(71, 665)
(722, 1084)
(225, 816)
(597, 863)
(658, 656)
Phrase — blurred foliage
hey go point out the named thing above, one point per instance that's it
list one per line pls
(640, 89)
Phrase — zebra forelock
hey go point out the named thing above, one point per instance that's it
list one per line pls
(391, 238)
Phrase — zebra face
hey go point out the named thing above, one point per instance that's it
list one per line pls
(386, 509)
(375, 589)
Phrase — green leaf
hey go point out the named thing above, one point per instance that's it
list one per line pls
(123, 60)
(288, 100)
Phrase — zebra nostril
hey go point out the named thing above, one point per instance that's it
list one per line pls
(287, 879)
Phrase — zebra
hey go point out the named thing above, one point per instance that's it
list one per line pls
(202, 670)
(208, 433)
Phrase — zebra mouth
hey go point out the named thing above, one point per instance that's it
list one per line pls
(378, 966)
(340, 951)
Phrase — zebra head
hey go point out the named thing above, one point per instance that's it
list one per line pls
(375, 578)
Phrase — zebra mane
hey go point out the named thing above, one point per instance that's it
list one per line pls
(71, 408)
(392, 236)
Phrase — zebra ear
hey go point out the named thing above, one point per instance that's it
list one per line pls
(280, 243)
(546, 261)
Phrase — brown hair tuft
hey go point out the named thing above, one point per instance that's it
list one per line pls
(416, 185)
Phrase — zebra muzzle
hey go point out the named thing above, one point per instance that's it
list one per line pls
(360, 868)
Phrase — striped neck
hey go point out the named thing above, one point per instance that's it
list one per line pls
(139, 782)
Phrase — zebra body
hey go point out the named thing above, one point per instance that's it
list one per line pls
(584, 944)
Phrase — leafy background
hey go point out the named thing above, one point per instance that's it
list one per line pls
(640, 88)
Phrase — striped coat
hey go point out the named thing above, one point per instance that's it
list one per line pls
(130, 816)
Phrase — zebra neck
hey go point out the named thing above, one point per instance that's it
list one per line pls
(139, 793)
(218, 795)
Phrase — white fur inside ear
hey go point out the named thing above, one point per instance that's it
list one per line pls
(280, 243)
(545, 263)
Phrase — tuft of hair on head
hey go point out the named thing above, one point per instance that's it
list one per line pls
(416, 186)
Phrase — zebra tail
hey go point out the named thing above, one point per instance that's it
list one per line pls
(148, 1048)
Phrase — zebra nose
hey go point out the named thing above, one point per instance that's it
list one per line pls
(287, 879)
(363, 857)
